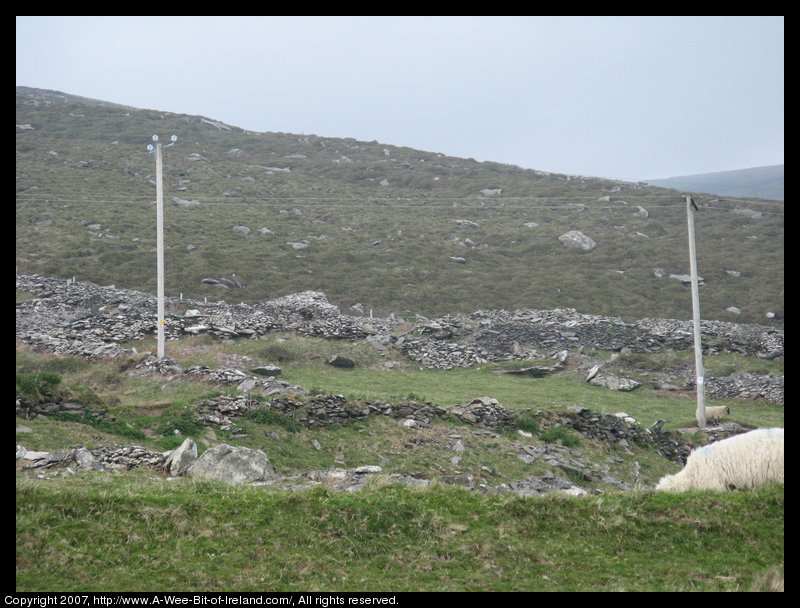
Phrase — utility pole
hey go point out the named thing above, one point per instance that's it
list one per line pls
(160, 241)
(700, 414)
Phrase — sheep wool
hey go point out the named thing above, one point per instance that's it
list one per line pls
(715, 412)
(737, 463)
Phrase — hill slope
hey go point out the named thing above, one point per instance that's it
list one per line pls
(395, 229)
(763, 182)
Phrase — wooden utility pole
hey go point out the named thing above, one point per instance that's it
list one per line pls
(698, 346)
(160, 248)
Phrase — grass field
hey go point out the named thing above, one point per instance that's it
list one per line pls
(137, 532)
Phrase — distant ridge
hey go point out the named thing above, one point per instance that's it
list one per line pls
(759, 182)
(59, 96)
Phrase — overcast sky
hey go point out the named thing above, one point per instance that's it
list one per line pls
(619, 97)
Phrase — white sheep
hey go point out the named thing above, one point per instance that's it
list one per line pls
(737, 463)
(715, 412)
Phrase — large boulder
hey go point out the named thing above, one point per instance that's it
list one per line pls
(232, 465)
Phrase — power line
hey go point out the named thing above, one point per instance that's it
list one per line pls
(473, 198)
(316, 204)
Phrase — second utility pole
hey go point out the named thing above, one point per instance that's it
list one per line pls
(698, 347)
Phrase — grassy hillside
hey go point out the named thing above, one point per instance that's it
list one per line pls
(366, 222)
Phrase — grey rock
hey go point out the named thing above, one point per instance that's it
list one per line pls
(267, 370)
(232, 465)
(576, 239)
(84, 458)
(749, 213)
(341, 361)
(367, 469)
(184, 203)
(535, 371)
(615, 383)
(593, 372)
(181, 458)
(686, 279)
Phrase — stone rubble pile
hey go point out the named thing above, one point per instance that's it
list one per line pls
(77, 318)
(236, 465)
(28, 410)
(244, 383)
(618, 430)
(747, 386)
(484, 412)
(120, 457)
(320, 410)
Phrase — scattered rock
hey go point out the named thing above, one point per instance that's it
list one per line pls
(341, 361)
(185, 203)
(576, 239)
(267, 370)
(749, 213)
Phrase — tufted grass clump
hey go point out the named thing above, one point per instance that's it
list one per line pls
(528, 423)
(268, 416)
(36, 385)
(559, 434)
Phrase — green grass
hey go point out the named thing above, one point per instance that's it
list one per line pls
(135, 532)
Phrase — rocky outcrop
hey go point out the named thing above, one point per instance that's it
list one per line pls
(244, 383)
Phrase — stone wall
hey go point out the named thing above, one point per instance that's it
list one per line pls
(325, 410)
